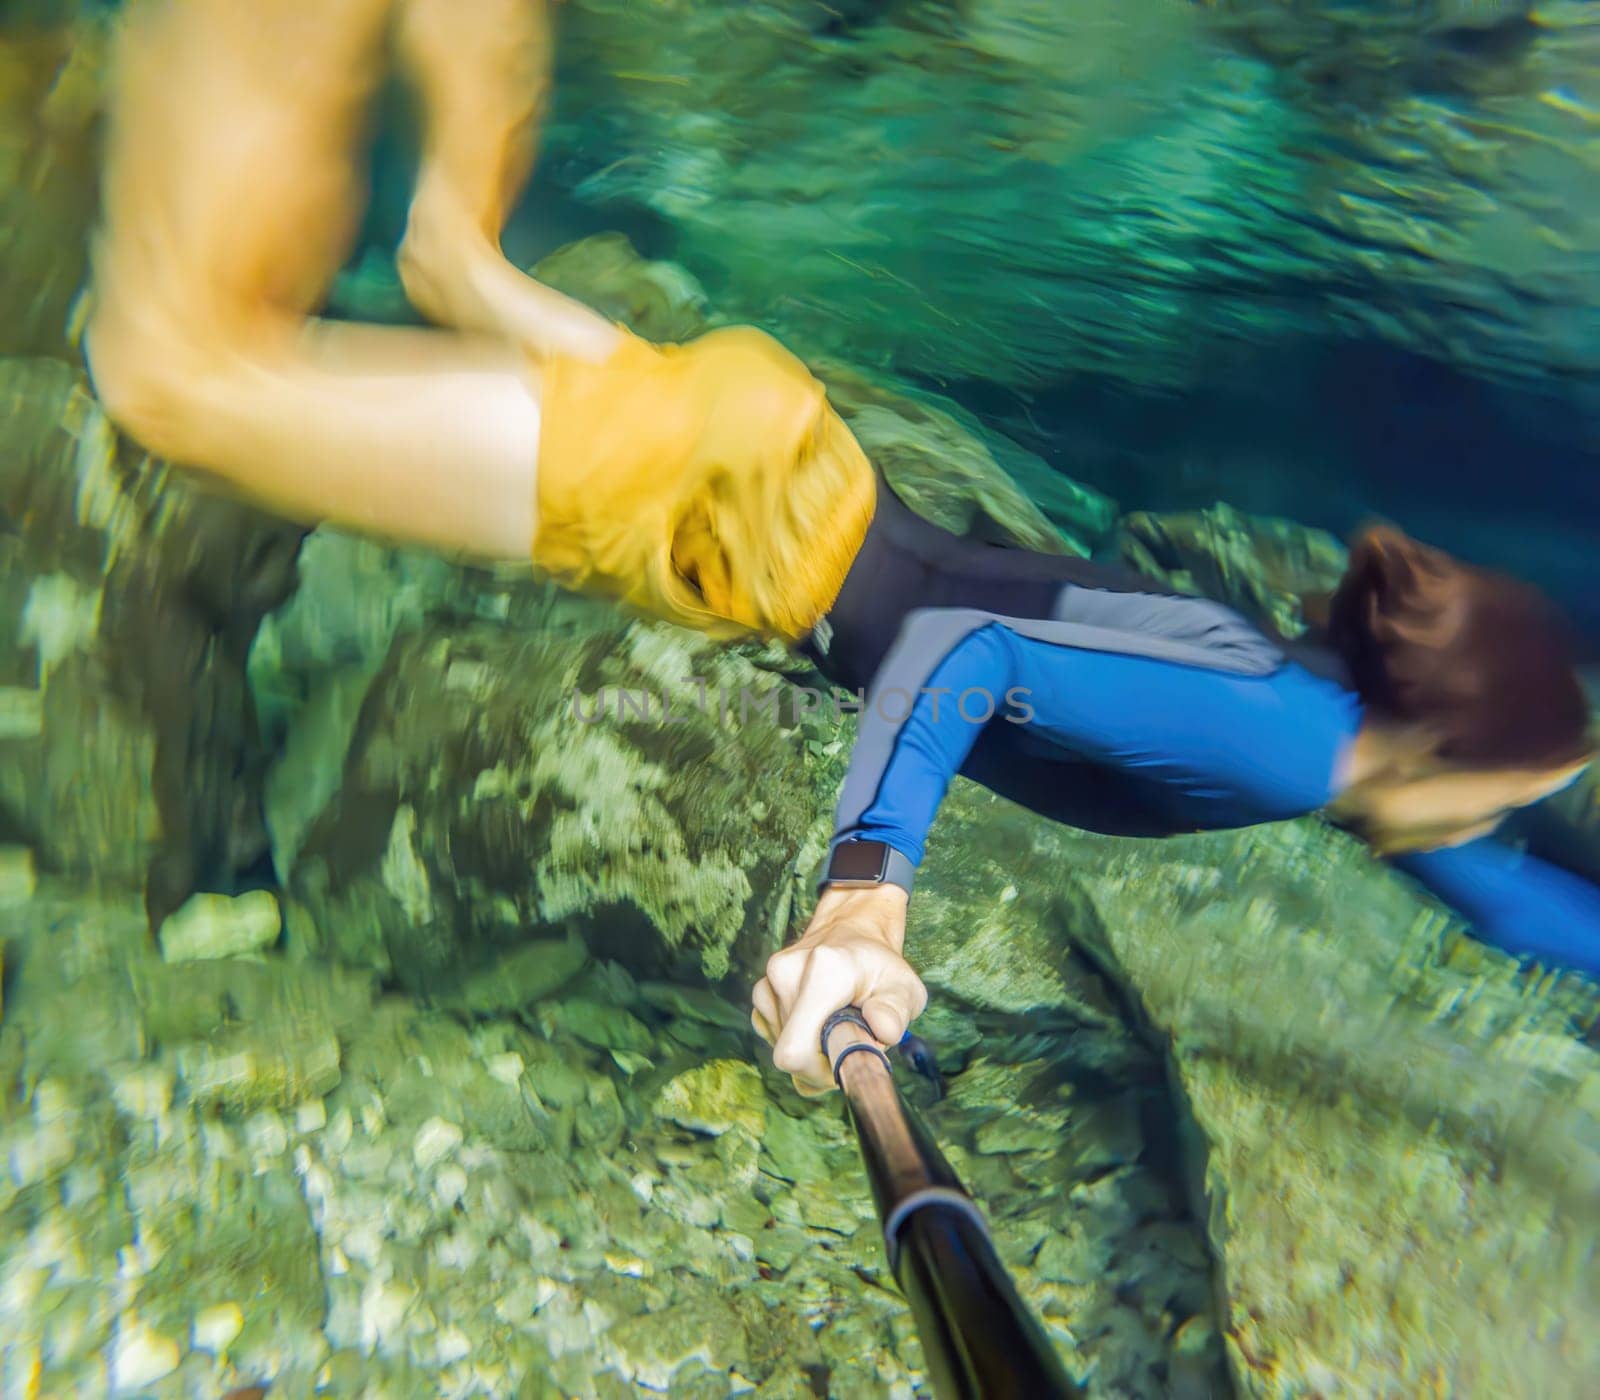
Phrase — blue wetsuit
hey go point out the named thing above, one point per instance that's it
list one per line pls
(1120, 709)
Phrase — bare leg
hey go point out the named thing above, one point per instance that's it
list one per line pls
(231, 196)
(482, 71)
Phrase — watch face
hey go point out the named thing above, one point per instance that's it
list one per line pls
(866, 861)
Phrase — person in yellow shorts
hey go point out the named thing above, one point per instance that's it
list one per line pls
(709, 484)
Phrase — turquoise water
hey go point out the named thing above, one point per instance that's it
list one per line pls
(371, 1028)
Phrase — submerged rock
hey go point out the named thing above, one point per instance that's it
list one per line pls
(132, 597)
(716, 1098)
(216, 1327)
(243, 1070)
(1266, 568)
(950, 470)
(1346, 1115)
(659, 300)
(521, 977)
(215, 926)
(435, 1141)
(18, 876)
(512, 782)
(597, 1024)
(140, 1357)
(652, 1349)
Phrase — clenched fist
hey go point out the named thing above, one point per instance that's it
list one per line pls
(848, 955)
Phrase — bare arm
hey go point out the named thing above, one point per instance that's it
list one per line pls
(231, 191)
(482, 71)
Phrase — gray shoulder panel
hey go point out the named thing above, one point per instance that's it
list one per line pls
(1193, 631)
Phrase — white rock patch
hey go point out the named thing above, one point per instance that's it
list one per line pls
(220, 926)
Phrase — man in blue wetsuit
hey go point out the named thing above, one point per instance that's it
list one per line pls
(1445, 698)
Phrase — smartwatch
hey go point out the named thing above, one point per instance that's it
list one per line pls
(857, 864)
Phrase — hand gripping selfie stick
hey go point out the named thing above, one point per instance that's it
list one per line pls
(978, 1339)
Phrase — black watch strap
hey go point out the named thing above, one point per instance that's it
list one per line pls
(857, 864)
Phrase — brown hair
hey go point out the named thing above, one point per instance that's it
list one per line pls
(1478, 657)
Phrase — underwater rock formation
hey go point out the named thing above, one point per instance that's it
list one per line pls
(510, 1205)
(51, 83)
(1387, 1207)
(132, 596)
(952, 471)
(1265, 568)
(506, 783)
(215, 926)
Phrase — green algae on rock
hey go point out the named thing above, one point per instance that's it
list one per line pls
(659, 300)
(503, 813)
(951, 471)
(51, 83)
(715, 1098)
(1265, 568)
(216, 926)
(532, 972)
(1343, 1139)
(133, 596)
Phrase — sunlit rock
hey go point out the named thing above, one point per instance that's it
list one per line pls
(715, 1098)
(597, 1024)
(216, 1327)
(243, 1070)
(140, 1357)
(436, 1140)
(215, 926)
(653, 1348)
